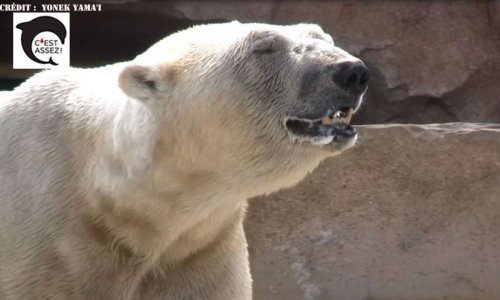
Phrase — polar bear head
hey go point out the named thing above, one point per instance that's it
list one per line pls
(262, 104)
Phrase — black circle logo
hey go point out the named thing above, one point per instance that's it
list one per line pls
(38, 25)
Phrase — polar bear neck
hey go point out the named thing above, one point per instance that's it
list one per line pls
(158, 202)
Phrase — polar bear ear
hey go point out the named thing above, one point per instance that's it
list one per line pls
(265, 42)
(140, 82)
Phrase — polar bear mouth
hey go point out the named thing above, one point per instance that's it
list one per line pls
(333, 127)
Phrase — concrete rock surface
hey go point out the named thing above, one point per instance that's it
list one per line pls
(412, 212)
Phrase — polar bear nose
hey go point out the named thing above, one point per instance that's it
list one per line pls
(352, 76)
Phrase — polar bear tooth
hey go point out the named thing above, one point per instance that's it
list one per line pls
(337, 121)
(337, 114)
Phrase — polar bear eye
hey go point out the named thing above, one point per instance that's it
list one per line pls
(298, 49)
(320, 36)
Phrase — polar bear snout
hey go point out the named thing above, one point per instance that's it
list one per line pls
(332, 95)
(352, 76)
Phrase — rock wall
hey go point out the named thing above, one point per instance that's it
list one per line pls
(412, 212)
(432, 61)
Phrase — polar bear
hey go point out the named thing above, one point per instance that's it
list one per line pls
(130, 181)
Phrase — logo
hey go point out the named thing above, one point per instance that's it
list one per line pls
(41, 40)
